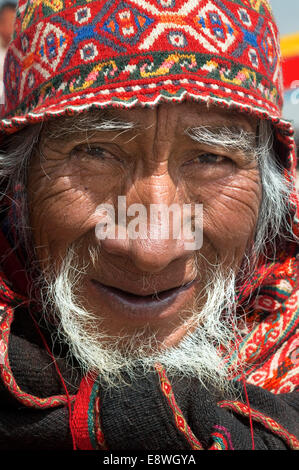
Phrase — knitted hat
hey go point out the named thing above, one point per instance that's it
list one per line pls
(68, 56)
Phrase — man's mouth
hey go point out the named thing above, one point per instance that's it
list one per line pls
(145, 306)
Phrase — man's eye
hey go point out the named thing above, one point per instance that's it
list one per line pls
(209, 158)
(95, 152)
(92, 152)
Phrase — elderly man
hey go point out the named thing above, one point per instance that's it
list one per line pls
(149, 286)
(7, 18)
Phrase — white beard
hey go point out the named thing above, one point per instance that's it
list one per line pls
(197, 355)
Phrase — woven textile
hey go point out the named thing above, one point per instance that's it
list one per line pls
(72, 54)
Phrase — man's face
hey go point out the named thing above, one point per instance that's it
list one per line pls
(7, 19)
(153, 283)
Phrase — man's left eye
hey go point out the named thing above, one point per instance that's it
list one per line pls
(209, 158)
(97, 152)
(92, 152)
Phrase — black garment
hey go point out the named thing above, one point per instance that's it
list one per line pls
(135, 417)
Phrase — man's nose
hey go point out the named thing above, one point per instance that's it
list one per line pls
(159, 241)
(148, 255)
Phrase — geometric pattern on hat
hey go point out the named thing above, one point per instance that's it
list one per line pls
(73, 54)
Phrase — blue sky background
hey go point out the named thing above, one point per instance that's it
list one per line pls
(286, 13)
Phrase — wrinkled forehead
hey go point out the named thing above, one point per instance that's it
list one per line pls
(167, 116)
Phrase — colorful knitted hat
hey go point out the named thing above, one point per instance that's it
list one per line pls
(70, 53)
(68, 56)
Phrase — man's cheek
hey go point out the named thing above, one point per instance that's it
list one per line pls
(58, 221)
(229, 223)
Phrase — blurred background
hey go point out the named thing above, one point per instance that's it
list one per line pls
(286, 13)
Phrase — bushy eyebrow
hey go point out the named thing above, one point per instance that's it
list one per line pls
(228, 138)
(85, 123)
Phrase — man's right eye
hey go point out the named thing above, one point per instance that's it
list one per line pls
(96, 152)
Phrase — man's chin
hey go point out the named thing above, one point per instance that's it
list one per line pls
(142, 343)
